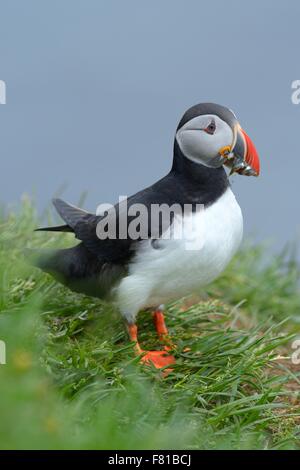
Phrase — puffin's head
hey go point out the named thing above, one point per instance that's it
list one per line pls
(211, 135)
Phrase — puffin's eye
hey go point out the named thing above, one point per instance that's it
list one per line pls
(211, 128)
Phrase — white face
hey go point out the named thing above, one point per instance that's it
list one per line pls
(202, 138)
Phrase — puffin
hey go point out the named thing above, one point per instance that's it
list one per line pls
(172, 257)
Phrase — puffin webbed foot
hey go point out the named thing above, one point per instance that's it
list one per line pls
(159, 359)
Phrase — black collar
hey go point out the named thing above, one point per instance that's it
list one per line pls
(199, 183)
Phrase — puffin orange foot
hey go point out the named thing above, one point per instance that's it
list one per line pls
(158, 358)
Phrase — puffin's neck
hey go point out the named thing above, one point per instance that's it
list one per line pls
(197, 178)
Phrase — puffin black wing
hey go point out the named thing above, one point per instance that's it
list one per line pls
(57, 228)
(84, 226)
(115, 250)
(69, 213)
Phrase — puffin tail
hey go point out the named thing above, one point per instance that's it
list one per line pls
(77, 269)
(50, 261)
(65, 265)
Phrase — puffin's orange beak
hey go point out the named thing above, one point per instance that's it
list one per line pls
(251, 156)
(244, 158)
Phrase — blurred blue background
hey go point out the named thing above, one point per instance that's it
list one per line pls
(95, 90)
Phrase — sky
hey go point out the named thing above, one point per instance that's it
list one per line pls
(95, 90)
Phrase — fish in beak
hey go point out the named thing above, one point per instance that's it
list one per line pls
(243, 158)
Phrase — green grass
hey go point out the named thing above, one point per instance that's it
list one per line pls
(72, 380)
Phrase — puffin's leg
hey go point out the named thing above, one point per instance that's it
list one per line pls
(159, 323)
(158, 358)
(133, 335)
(160, 326)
